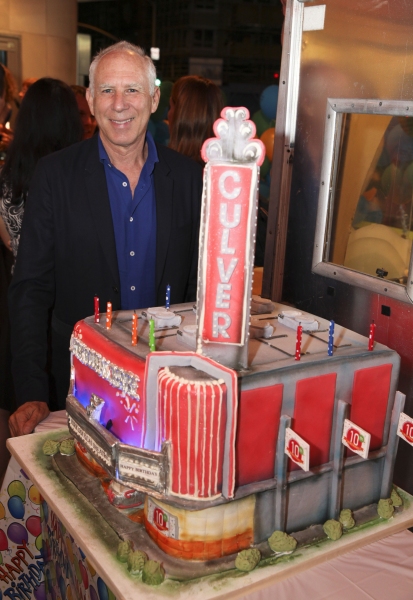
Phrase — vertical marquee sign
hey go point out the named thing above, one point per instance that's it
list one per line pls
(227, 238)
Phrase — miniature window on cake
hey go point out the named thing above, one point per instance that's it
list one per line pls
(365, 214)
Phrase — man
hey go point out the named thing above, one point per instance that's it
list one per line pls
(114, 216)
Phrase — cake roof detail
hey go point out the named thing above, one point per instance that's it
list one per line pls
(234, 139)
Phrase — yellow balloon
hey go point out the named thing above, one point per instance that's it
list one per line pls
(2, 511)
(16, 488)
(39, 542)
(267, 139)
(69, 549)
(34, 495)
(91, 569)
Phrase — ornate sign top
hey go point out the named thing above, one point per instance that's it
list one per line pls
(234, 139)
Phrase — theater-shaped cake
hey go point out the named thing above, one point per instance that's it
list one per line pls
(213, 426)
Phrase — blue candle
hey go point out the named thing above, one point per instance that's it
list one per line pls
(331, 339)
(168, 297)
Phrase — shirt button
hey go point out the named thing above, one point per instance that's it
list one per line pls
(131, 219)
(124, 184)
(132, 287)
(132, 253)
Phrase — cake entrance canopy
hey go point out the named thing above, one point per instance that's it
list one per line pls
(227, 238)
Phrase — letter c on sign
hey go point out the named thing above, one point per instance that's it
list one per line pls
(221, 184)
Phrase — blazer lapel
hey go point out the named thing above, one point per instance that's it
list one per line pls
(164, 205)
(98, 199)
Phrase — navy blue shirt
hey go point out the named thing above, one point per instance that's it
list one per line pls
(134, 223)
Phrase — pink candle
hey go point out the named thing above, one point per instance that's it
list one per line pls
(298, 342)
(134, 329)
(371, 335)
(109, 315)
(97, 313)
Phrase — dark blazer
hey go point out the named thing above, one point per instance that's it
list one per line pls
(67, 252)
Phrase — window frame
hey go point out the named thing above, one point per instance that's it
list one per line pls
(336, 108)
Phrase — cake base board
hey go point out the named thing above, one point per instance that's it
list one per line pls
(99, 539)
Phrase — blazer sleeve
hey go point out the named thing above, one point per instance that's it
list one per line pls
(31, 293)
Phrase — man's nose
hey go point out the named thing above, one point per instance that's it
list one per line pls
(119, 100)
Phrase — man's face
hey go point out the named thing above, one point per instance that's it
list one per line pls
(121, 101)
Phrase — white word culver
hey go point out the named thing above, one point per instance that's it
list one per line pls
(222, 320)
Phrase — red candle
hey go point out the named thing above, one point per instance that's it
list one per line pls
(371, 335)
(97, 313)
(109, 315)
(298, 342)
(134, 329)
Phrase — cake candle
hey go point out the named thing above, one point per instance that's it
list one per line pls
(168, 297)
(134, 329)
(298, 342)
(330, 349)
(97, 313)
(371, 335)
(108, 315)
(152, 346)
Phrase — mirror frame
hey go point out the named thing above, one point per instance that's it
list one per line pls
(336, 107)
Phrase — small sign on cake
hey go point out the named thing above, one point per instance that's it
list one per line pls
(405, 428)
(164, 522)
(356, 438)
(297, 449)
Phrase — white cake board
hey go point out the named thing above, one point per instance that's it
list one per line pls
(69, 506)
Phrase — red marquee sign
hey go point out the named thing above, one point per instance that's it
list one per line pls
(231, 201)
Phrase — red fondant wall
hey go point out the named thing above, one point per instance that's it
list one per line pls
(313, 416)
(369, 401)
(258, 422)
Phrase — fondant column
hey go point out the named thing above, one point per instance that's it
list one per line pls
(281, 462)
(392, 445)
(338, 460)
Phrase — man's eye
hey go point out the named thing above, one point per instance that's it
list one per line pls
(132, 90)
(106, 91)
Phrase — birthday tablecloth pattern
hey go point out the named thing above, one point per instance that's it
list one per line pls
(38, 558)
(21, 560)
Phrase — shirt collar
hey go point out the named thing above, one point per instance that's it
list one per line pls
(152, 157)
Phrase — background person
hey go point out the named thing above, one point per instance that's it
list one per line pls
(88, 120)
(195, 105)
(26, 83)
(115, 216)
(48, 120)
(8, 91)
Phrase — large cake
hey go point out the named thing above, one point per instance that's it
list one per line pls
(212, 427)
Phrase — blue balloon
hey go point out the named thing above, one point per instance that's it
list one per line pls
(102, 589)
(269, 101)
(62, 587)
(45, 511)
(16, 507)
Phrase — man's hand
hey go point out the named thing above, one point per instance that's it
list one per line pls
(26, 417)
